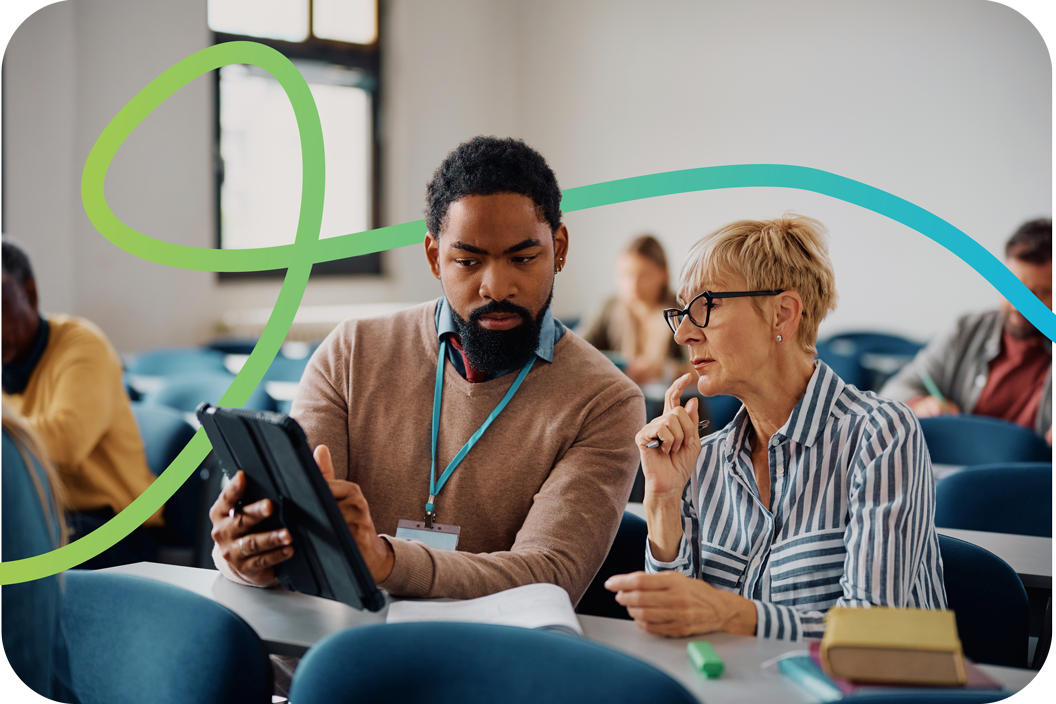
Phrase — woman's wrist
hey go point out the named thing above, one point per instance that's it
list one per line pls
(663, 514)
(742, 619)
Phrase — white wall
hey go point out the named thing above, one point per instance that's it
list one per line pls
(944, 103)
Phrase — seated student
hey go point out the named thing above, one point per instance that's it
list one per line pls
(994, 363)
(815, 495)
(62, 375)
(33, 637)
(631, 322)
(539, 496)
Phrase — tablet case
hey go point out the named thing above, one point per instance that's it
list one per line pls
(272, 450)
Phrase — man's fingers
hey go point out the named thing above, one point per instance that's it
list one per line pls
(264, 560)
(325, 462)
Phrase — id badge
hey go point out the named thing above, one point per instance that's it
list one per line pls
(440, 536)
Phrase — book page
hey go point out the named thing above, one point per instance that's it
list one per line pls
(530, 606)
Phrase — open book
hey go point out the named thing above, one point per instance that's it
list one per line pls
(532, 606)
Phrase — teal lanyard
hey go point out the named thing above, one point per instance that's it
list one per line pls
(434, 485)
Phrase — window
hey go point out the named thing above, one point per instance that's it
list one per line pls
(334, 44)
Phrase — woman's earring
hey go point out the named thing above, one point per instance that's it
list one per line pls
(779, 338)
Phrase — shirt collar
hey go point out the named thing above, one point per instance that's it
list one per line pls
(16, 376)
(807, 420)
(445, 324)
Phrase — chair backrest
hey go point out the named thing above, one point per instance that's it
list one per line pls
(626, 555)
(466, 663)
(721, 410)
(989, 601)
(975, 440)
(846, 366)
(165, 433)
(134, 640)
(999, 498)
(859, 343)
(284, 368)
(185, 391)
(175, 360)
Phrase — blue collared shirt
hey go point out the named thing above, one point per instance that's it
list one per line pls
(851, 520)
(552, 330)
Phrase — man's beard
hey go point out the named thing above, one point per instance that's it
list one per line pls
(493, 351)
(1021, 330)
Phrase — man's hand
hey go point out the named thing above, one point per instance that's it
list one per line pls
(673, 605)
(929, 407)
(252, 556)
(376, 551)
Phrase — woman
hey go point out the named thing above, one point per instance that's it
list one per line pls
(815, 495)
(33, 637)
(630, 324)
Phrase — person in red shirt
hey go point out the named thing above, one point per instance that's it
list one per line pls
(995, 363)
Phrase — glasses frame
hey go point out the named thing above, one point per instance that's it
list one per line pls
(709, 296)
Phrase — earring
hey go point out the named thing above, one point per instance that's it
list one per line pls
(779, 338)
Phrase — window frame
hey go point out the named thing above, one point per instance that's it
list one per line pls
(362, 57)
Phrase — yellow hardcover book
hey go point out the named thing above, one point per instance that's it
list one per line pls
(886, 645)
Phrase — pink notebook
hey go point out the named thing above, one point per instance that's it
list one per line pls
(977, 679)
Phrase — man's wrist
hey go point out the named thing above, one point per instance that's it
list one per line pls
(386, 560)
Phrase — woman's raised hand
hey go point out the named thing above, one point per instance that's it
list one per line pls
(667, 468)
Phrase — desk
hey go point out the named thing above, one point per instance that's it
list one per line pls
(290, 623)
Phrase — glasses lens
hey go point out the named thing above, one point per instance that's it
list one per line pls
(674, 319)
(698, 311)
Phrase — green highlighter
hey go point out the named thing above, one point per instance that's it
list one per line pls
(703, 657)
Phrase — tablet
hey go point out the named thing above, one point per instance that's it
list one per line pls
(272, 450)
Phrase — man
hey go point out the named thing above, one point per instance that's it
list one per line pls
(995, 363)
(539, 496)
(63, 376)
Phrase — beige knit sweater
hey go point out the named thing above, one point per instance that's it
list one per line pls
(539, 498)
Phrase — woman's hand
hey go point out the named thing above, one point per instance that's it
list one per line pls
(252, 556)
(667, 468)
(673, 605)
(376, 551)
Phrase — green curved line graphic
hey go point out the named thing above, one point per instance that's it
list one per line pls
(308, 249)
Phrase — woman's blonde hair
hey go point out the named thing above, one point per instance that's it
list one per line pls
(30, 447)
(789, 253)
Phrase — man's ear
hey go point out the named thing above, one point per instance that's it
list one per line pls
(30, 287)
(561, 247)
(432, 253)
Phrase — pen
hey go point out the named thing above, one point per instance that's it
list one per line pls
(700, 426)
(932, 387)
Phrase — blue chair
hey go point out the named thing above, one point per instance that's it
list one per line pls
(626, 555)
(165, 433)
(184, 392)
(175, 360)
(465, 663)
(233, 345)
(134, 640)
(284, 368)
(989, 602)
(721, 410)
(846, 366)
(976, 440)
(998, 498)
(860, 346)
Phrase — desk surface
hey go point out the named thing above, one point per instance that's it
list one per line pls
(290, 623)
(1029, 556)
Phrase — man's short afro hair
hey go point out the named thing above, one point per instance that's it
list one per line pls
(484, 166)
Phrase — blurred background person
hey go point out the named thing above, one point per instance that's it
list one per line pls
(630, 325)
(64, 377)
(33, 637)
(994, 363)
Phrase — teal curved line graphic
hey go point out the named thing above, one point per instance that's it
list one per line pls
(297, 259)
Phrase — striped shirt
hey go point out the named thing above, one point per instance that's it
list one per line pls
(850, 521)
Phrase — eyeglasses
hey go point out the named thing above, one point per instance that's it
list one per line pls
(700, 307)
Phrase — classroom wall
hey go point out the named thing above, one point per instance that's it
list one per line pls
(944, 103)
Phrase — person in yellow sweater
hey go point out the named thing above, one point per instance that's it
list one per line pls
(64, 377)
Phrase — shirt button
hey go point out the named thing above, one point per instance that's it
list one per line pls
(980, 380)
(780, 469)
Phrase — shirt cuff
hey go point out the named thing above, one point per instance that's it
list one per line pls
(412, 569)
(680, 563)
(785, 623)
